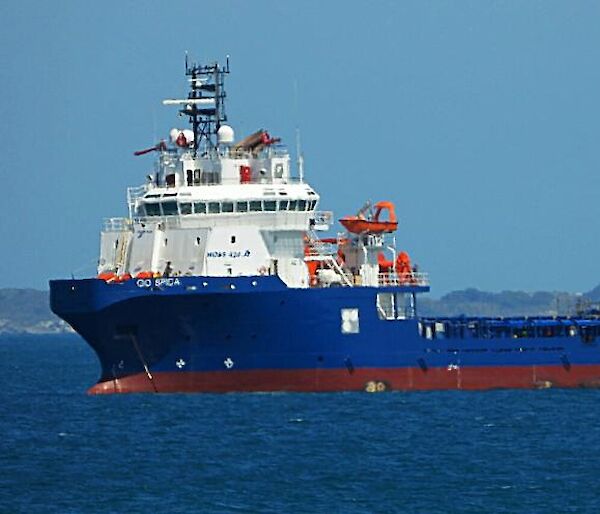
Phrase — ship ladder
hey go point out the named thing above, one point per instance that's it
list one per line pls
(337, 268)
(329, 259)
(122, 252)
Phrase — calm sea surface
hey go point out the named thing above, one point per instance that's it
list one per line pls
(500, 451)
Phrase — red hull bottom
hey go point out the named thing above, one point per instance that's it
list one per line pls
(370, 379)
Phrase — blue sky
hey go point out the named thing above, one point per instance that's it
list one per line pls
(480, 120)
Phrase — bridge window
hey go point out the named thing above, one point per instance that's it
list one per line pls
(293, 205)
(169, 208)
(214, 208)
(255, 206)
(200, 207)
(152, 209)
(301, 205)
(283, 205)
(241, 207)
(227, 206)
(185, 208)
(270, 205)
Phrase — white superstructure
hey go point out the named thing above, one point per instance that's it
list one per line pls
(216, 207)
(230, 218)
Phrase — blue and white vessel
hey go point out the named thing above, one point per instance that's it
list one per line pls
(218, 281)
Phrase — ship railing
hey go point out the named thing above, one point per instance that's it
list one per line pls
(235, 181)
(318, 249)
(222, 220)
(135, 192)
(403, 279)
(322, 220)
(242, 153)
(117, 225)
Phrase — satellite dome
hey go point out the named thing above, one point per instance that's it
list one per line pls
(225, 135)
(173, 134)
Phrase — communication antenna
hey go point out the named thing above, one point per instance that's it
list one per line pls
(299, 156)
(205, 104)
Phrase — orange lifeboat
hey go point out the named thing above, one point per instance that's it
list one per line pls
(359, 224)
(108, 276)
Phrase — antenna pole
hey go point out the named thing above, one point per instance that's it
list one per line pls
(204, 105)
(299, 157)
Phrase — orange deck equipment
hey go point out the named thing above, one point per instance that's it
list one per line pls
(373, 225)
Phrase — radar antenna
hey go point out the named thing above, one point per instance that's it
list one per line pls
(205, 104)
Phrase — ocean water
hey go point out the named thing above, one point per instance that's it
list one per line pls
(447, 452)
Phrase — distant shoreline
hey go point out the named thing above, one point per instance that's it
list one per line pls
(27, 311)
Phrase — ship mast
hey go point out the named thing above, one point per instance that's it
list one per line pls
(205, 104)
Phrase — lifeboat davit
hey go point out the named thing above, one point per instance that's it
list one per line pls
(373, 225)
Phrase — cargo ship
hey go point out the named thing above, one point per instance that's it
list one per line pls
(218, 280)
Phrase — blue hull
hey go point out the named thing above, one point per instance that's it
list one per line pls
(253, 333)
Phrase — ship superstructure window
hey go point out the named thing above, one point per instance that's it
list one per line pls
(350, 322)
(169, 208)
(152, 209)
(405, 306)
(395, 306)
(210, 177)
